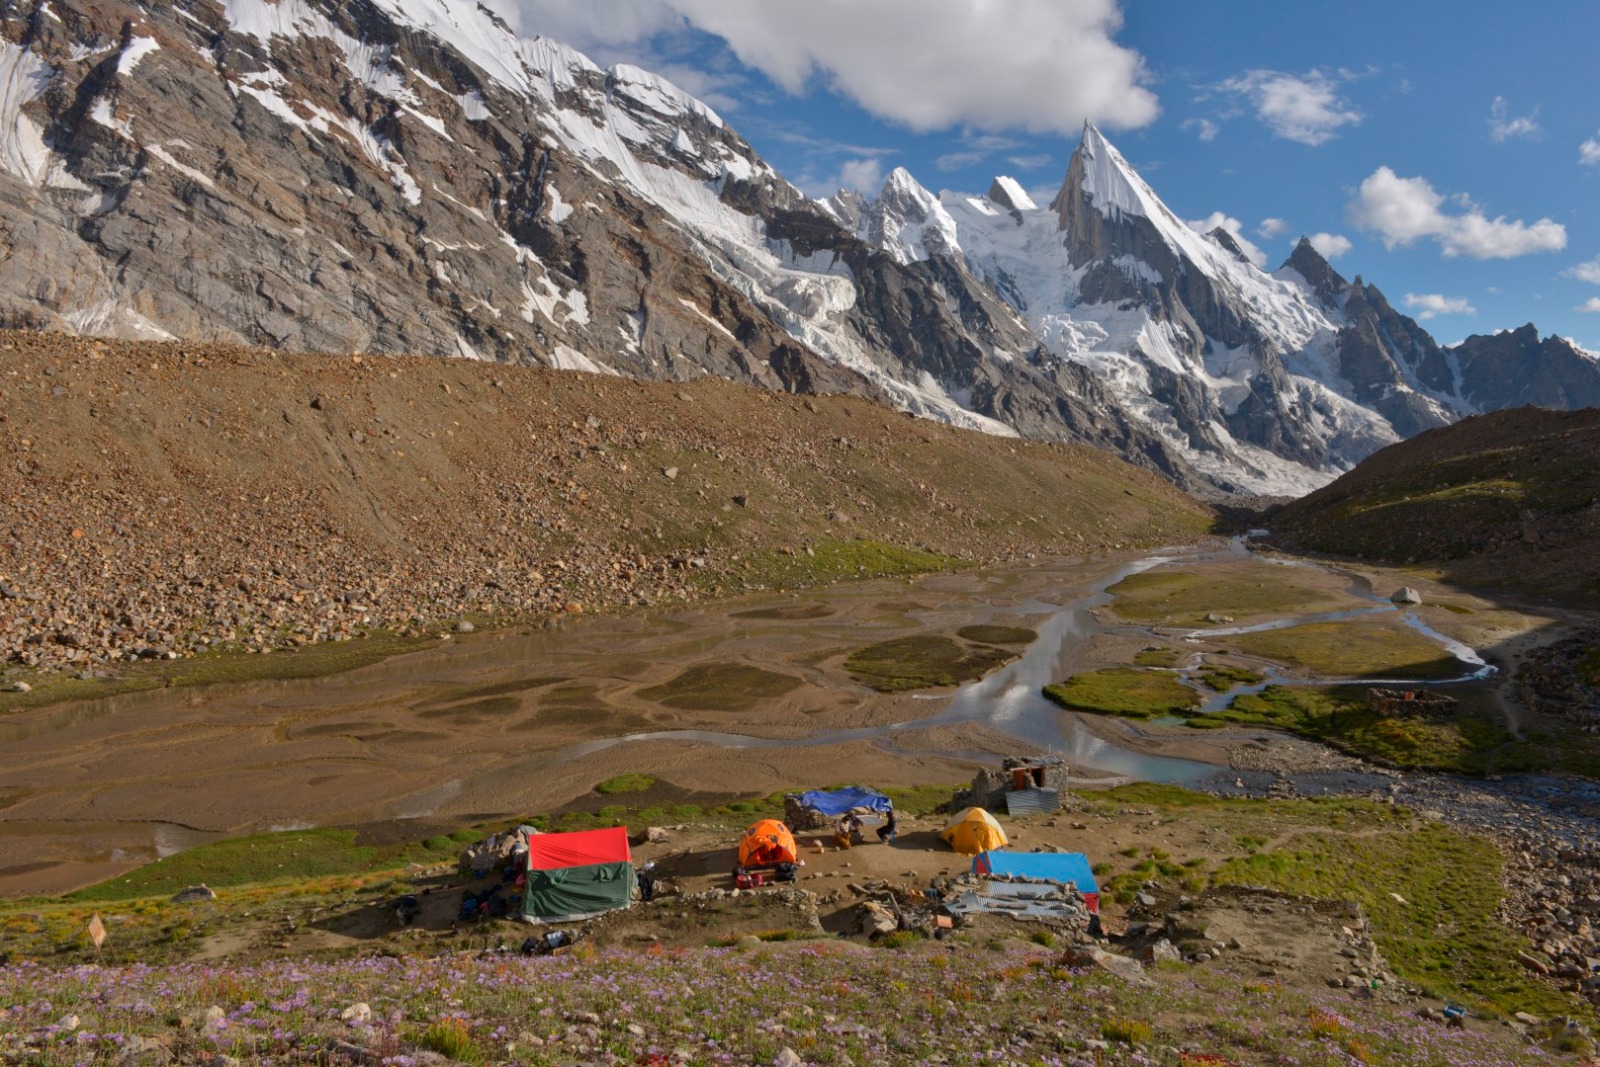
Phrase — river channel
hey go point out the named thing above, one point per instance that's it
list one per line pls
(515, 722)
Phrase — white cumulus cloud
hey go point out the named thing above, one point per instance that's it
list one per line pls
(1432, 304)
(1235, 230)
(1401, 210)
(1299, 107)
(1271, 227)
(1038, 65)
(1590, 306)
(1589, 152)
(1503, 126)
(1586, 272)
(1331, 245)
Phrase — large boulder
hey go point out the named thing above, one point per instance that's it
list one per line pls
(1406, 595)
(1121, 966)
(194, 894)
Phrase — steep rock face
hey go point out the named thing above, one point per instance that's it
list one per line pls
(331, 180)
(347, 177)
(1515, 368)
(1391, 363)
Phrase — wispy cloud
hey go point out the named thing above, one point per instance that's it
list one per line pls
(1401, 210)
(1035, 162)
(1589, 152)
(1430, 305)
(1585, 272)
(1298, 107)
(975, 148)
(1204, 129)
(825, 146)
(1271, 228)
(1503, 126)
(1590, 306)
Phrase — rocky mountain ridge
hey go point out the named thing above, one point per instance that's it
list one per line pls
(1508, 500)
(410, 176)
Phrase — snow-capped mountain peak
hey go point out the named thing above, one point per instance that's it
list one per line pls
(1108, 180)
(908, 222)
(1009, 194)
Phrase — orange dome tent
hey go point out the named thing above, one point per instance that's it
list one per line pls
(974, 831)
(767, 844)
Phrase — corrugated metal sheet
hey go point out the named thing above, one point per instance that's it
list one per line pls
(1032, 801)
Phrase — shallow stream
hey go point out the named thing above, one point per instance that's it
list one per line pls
(527, 721)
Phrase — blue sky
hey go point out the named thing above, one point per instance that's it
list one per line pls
(1447, 152)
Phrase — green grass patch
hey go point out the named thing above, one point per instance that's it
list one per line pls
(451, 1038)
(626, 783)
(1126, 691)
(998, 635)
(291, 856)
(1445, 937)
(923, 662)
(214, 668)
(1220, 677)
(899, 939)
(1126, 1031)
(1175, 597)
(1157, 657)
(1466, 743)
(720, 687)
(839, 561)
(1364, 648)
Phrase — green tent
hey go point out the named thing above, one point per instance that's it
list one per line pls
(578, 876)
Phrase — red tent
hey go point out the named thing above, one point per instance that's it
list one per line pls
(578, 875)
(551, 852)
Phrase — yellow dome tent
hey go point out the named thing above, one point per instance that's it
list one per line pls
(974, 831)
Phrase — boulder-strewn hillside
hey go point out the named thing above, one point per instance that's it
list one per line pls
(174, 496)
(1510, 498)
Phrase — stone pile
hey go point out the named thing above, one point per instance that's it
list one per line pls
(1563, 679)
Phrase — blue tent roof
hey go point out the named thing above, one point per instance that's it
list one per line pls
(1061, 867)
(839, 801)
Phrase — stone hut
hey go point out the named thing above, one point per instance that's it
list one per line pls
(990, 788)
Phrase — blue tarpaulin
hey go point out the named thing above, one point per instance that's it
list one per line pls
(1061, 867)
(839, 801)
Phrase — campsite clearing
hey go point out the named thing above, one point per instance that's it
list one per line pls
(1132, 835)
